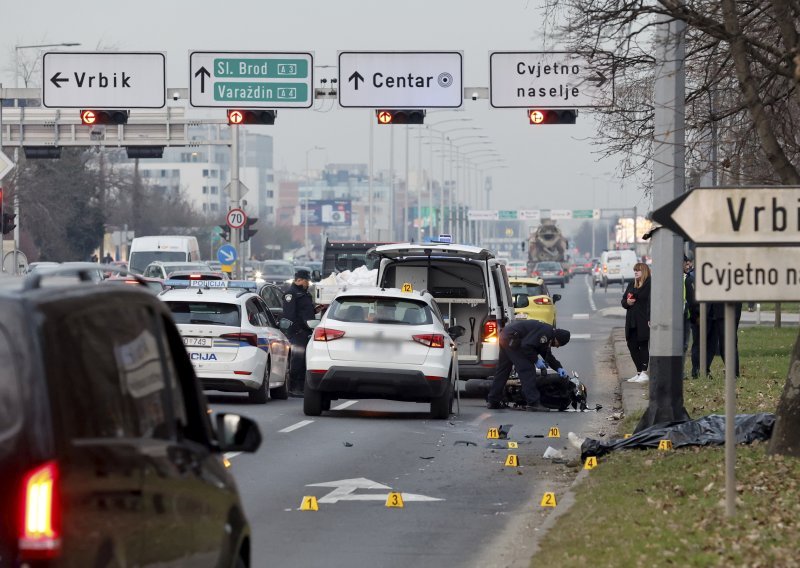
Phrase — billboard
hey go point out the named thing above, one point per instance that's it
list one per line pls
(326, 212)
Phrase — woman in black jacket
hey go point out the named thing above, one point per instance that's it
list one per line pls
(636, 302)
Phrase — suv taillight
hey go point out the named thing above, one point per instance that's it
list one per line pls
(433, 340)
(327, 334)
(542, 301)
(39, 535)
(490, 331)
(250, 338)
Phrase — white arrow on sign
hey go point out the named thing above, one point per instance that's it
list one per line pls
(735, 215)
(345, 491)
(228, 256)
(6, 165)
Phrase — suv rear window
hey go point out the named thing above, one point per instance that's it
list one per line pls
(205, 313)
(529, 289)
(380, 310)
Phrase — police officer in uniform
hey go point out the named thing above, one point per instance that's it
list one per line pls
(522, 342)
(298, 307)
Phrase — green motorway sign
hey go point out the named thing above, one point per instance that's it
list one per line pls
(582, 214)
(507, 215)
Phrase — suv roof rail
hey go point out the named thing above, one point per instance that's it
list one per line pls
(82, 270)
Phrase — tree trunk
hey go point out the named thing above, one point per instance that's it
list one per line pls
(786, 433)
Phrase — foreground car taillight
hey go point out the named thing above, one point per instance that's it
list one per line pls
(250, 338)
(490, 331)
(39, 535)
(561, 273)
(327, 334)
(542, 301)
(433, 340)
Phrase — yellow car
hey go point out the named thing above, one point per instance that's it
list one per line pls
(533, 301)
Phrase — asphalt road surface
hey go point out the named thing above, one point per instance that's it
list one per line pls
(462, 505)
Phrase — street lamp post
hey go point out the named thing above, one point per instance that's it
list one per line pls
(305, 202)
(17, 49)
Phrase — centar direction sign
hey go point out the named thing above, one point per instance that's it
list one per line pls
(104, 80)
(400, 79)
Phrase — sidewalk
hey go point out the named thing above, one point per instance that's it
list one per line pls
(750, 318)
(634, 395)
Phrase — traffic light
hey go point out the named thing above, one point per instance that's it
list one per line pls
(552, 116)
(404, 116)
(93, 117)
(257, 116)
(247, 231)
(8, 222)
(225, 232)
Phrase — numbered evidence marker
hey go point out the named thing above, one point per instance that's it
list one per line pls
(591, 463)
(665, 445)
(626, 436)
(548, 500)
(309, 503)
(394, 499)
(512, 445)
(407, 287)
(512, 460)
(554, 432)
(493, 434)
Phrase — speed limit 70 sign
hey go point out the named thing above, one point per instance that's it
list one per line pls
(236, 218)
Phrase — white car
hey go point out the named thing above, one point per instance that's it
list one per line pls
(517, 269)
(232, 338)
(381, 343)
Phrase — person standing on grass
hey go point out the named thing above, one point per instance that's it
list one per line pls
(636, 302)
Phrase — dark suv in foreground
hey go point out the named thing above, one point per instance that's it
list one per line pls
(108, 456)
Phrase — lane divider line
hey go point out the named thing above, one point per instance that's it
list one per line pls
(294, 427)
(231, 455)
(580, 316)
(344, 405)
(581, 336)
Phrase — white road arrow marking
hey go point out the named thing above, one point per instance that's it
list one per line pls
(345, 489)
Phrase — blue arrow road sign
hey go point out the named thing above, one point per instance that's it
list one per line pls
(227, 254)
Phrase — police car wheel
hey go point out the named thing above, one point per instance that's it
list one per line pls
(260, 395)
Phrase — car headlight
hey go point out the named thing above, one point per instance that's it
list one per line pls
(258, 275)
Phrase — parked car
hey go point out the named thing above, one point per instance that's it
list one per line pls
(550, 272)
(470, 287)
(108, 455)
(532, 300)
(273, 295)
(160, 269)
(382, 343)
(232, 338)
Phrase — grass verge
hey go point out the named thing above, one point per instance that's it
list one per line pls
(651, 508)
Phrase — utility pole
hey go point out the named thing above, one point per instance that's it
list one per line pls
(405, 195)
(236, 197)
(369, 219)
(669, 156)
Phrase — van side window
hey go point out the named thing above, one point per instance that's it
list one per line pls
(108, 358)
(10, 401)
(498, 292)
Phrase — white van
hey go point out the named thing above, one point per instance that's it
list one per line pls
(470, 287)
(617, 266)
(172, 248)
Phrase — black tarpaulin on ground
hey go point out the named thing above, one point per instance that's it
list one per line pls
(705, 431)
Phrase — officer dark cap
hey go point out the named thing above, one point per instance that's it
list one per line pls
(562, 335)
(304, 274)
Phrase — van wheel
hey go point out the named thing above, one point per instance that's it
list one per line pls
(312, 402)
(260, 395)
(281, 392)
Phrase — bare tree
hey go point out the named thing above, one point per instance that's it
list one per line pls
(743, 68)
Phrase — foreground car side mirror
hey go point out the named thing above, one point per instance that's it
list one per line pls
(521, 301)
(237, 433)
(456, 331)
(556, 298)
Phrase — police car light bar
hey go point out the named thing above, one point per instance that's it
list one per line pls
(236, 284)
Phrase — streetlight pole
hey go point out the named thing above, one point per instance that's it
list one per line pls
(305, 202)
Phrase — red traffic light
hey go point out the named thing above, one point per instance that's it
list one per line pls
(253, 116)
(401, 116)
(91, 117)
(552, 116)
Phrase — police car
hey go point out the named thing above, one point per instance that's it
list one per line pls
(382, 343)
(232, 338)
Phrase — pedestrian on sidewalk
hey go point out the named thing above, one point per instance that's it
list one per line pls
(691, 315)
(522, 342)
(636, 302)
(716, 334)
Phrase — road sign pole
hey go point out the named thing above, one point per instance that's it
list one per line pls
(236, 196)
(731, 358)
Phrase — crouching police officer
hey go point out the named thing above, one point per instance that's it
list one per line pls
(298, 307)
(522, 342)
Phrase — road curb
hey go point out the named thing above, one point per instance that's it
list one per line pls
(634, 395)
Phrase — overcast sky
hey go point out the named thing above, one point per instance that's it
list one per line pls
(548, 166)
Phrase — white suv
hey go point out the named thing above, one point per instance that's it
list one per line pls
(232, 338)
(381, 343)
